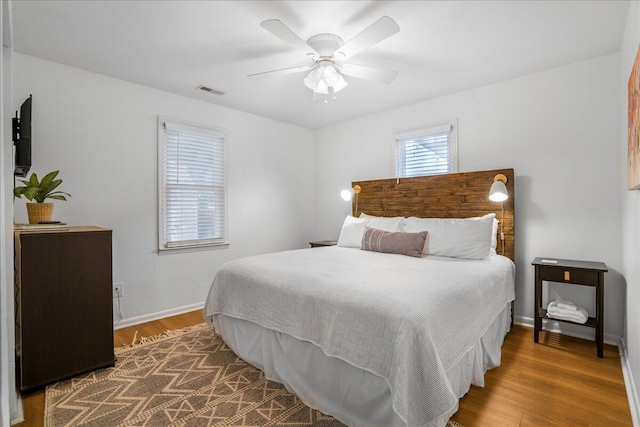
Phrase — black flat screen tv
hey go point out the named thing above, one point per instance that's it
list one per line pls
(22, 139)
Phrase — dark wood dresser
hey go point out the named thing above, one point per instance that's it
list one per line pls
(64, 304)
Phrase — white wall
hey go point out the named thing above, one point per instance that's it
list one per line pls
(6, 250)
(559, 129)
(101, 133)
(10, 405)
(630, 203)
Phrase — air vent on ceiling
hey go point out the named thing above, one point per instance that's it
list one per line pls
(210, 90)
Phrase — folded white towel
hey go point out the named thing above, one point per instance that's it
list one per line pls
(566, 305)
(579, 315)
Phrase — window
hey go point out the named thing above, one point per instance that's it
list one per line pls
(192, 185)
(430, 151)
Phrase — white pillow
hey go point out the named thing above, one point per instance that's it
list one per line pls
(494, 237)
(352, 232)
(468, 238)
(384, 223)
(353, 228)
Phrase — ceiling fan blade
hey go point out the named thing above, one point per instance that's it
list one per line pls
(379, 75)
(284, 33)
(280, 72)
(374, 33)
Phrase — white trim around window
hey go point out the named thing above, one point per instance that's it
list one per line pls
(432, 150)
(192, 186)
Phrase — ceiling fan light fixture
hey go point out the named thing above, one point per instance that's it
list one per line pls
(321, 87)
(313, 78)
(323, 77)
(340, 84)
(330, 75)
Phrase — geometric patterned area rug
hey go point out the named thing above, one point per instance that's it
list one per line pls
(183, 378)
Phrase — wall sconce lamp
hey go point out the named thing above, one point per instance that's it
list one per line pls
(349, 194)
(499, 193)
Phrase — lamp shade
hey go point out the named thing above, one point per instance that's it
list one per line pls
(498, 192)
(340, 83)
(346, 195)
(313, 78)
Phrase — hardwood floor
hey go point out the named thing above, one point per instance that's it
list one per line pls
(559, 382)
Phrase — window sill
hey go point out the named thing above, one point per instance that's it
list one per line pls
(195, 248)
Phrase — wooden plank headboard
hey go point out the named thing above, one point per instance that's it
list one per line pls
(456, 195)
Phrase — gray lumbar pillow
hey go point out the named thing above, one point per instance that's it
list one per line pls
(411, 244)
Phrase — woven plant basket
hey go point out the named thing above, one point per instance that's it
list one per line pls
(39, 212)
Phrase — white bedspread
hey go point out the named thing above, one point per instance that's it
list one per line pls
(405, 319)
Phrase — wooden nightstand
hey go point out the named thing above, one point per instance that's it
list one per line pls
(321, 243)
(572, 272)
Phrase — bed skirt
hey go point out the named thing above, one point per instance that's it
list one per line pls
(352, 395)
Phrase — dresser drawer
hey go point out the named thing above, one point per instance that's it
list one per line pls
(565, 275)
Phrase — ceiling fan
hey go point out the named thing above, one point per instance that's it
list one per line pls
(327, 53)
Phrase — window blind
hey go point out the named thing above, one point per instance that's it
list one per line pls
(193, 186)
(428, 152)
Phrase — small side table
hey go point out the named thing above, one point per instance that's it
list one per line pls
(572, 272)
(321, 243)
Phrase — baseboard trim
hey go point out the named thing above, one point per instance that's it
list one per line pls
(629, 384)
(158, 315)
(567, 329)
(17, 415)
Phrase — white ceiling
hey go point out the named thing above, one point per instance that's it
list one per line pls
(442, 47)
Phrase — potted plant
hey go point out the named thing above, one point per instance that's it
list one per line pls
(39, 191)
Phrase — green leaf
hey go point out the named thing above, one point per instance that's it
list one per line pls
(58, 192)
(33, 180)
(48, 178)
(31, 193)
(57, 197)
(46, 189)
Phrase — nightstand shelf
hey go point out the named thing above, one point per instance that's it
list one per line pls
(571, 272)
(592, 322)
(321, 243)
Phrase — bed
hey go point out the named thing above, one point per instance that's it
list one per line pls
(376, 338)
